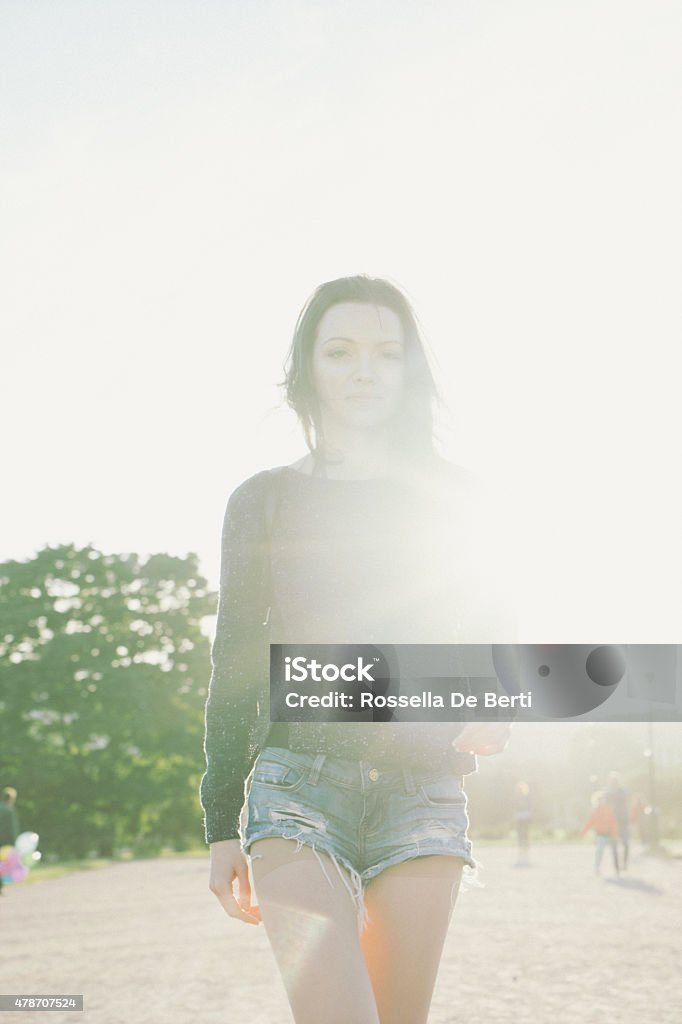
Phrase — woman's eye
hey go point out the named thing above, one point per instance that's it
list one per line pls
(338, 353)
(392, 355)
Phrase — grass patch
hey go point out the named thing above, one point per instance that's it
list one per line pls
(43, 871)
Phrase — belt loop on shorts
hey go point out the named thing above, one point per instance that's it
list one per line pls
(410, 787)
(315, 769)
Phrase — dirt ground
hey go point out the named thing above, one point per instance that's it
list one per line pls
(146, 943)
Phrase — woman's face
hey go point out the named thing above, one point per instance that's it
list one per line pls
(359, 365)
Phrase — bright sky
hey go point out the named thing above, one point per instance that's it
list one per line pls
(177, 177)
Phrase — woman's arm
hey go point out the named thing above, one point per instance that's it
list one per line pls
(240, 659)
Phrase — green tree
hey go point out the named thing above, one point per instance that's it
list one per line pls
(103, 676)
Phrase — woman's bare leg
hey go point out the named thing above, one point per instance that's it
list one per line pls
(312, 925)
(409, 908)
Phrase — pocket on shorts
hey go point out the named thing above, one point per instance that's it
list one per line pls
(443, 791)
(279, 775)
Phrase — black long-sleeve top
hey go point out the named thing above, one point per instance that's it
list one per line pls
(315, 560)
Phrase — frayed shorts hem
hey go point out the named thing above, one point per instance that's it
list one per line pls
(354, 887)
(358, 880)
(425, 850)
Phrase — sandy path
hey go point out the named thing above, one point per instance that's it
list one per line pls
(146, 942)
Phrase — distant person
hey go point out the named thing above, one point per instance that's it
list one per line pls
(523, 815)
(605, 826)
(9, 823)
(618, 800)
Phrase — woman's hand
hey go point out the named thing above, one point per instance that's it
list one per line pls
(228, 864)
(484, 737)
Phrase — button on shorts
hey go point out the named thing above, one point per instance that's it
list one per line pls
(365, 817)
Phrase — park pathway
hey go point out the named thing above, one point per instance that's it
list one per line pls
(146, 943)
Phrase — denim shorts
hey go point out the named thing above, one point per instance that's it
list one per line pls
(365, 818)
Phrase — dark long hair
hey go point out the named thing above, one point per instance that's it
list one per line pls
(413, 435)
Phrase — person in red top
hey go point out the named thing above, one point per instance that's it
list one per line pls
(605, 826)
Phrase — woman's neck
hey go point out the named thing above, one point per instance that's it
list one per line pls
(352, 457)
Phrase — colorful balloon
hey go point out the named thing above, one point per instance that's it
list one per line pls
(11, 868)
(16, 860)
(26, 842)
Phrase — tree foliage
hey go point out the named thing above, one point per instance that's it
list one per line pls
(103, 677)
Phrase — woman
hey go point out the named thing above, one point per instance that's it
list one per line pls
(369, 538)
